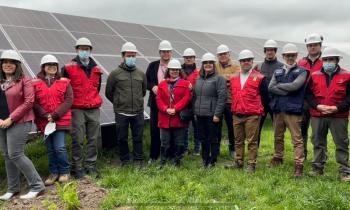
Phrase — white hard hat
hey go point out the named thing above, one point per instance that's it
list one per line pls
(174, 64)
(48, 59)
(165, 45)
(244, 54)
(83, 41)
(331, 52)
(222, 49)
(270, 44)
(189, 52)
(208, 57)
(313, 38)
(10, 54)
(289, 48)
(128, 47)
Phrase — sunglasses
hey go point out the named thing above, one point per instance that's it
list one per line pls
(50, 64)
(208, 62)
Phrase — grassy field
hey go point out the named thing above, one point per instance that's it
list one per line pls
(193, 187)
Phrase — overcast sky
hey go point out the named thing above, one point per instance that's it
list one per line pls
(287, 20)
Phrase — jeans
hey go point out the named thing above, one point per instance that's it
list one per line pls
(57, 153)
(195, 137)
(12, 142)
(122, 125)
(169, 135)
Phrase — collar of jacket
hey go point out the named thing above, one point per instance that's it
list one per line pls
(127, 68)
(188, 69)
(91, 64)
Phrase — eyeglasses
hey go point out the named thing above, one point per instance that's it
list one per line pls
(330, 59)
(208, 62)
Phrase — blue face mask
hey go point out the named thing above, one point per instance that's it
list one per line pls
(130, 61)
(329, 67)
(84, 54)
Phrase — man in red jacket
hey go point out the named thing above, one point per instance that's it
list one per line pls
(85, 78)
(312, 62)
(249, 94)
(328, 94)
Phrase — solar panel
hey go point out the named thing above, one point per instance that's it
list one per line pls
(84, 24)
(40, 39)
(27, 18)
(36, 33)
(130, 29)
(168, 34)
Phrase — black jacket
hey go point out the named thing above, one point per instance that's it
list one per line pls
(152, 80)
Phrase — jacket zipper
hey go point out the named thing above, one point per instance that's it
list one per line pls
(132, 94)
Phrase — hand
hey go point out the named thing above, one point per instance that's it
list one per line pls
(190, 86)
(49, 118)
(322, 108)
(6, 123)
(170, 111)
(332, 109)
(216, 119)
(155, 89)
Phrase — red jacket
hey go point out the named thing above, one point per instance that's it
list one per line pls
(306, 63)
(247, 101)
(85, 89)
(20, 100)
(192, 78)
(50, 99)
(331, 95)
(182, 96)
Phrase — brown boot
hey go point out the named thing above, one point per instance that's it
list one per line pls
(345, 177)
(51, 179)
(251, 168)
(298, 170)
(64, 178)
(235, 165)
(276, 162)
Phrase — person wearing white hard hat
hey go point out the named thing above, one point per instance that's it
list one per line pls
(328, 94)
(267, 68)
(155, 74)
(311, 62)
(173, 96)
(16, 116)
(53, 99)
(125, 89)
(287, 87)
(249, 95)
(85, 77)
(209, 98)
(226, 68)
(191, 74)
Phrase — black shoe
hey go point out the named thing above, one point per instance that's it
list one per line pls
(139, 163)
(93, 172)
(78, 174)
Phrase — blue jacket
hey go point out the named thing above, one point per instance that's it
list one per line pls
(292, 102)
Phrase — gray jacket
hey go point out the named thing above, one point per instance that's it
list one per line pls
(209, 95)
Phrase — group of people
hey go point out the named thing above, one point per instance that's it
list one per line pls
(315, 88)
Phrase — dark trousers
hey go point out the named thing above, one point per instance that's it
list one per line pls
(155, 134)
(136, 124)
(175, 135)
(195, 137)
(229, 124)
(305, 123)
(262, 120)
(209, 136)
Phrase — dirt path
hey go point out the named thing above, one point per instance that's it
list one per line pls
(90, 196)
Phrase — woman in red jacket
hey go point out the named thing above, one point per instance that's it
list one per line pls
(173, 95)
(53, 99)
(16, 116)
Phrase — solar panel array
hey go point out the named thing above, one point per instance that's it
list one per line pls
(36, 33)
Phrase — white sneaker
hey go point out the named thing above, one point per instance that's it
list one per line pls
(31, 195)
(7, 196)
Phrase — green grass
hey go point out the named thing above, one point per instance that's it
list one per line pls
(193, 187)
